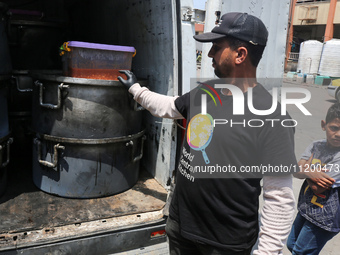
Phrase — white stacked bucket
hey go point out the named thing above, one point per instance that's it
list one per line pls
(309, 57)
(330, 59)
(309, 60)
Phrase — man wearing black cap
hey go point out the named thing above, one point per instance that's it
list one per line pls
(219, 214)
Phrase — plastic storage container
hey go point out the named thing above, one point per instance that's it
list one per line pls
(95, 61)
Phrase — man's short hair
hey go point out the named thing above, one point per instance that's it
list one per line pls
(333, 112)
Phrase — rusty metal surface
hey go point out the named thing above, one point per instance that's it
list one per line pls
(95, 237)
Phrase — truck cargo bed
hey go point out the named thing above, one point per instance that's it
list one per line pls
(29, 216)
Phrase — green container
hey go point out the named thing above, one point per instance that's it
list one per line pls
(322, 80)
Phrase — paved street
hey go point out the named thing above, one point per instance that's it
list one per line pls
(309, 127)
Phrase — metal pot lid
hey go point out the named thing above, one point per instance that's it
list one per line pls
(91, 141)
(20, 72)
(47, 24)
(100, 46)
(53, 75)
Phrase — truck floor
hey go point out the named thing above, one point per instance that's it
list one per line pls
(24, 207)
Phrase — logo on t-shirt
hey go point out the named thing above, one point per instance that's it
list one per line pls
(200, 132)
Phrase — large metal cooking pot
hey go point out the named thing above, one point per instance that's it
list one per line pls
(20, 94)
(5, 143)
(86, 168)
(5, 59)
(34, 44)
(19, 113)
(5, 140)
(4, 127)
(82, 108)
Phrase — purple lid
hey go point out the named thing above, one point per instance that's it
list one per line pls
(100, 46)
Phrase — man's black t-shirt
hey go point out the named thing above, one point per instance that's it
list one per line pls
(221, 209)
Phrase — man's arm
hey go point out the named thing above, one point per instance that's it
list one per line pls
(277, 214)
(158, 105)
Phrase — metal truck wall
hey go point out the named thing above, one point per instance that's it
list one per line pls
(274, 14)
(188, 49)
(154, 35)
(149, 26)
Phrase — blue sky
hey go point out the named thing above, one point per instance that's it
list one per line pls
(199, 4)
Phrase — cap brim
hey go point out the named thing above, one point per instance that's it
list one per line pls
(208, 37)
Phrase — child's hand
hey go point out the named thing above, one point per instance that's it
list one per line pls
(318, 176)
(321, 179)
(317, 190)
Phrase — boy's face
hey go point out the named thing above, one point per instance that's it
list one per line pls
(332, 129)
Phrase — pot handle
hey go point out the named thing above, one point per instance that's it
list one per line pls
(141, 150)
(41, 100)
(10, 141)
(55, 156)
(18, 85)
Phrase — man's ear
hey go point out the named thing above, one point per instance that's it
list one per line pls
(242, 54)
(323, 125)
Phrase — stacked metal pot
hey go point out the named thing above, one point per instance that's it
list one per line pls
(87, 134)
(89, 137)
(5, 136)
(5, 70)
(33, 44)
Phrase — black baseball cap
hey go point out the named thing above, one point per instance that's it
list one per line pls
(242, 26)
